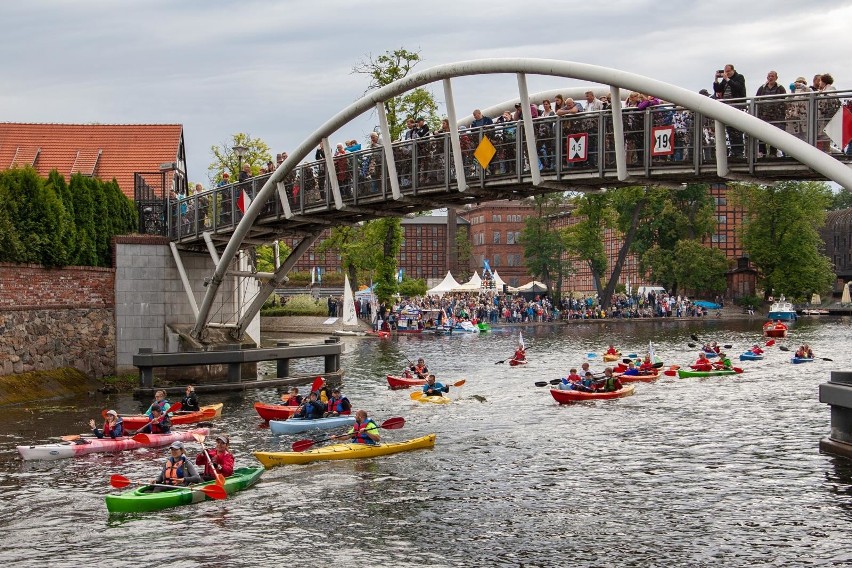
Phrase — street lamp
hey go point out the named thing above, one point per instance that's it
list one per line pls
(240, 151)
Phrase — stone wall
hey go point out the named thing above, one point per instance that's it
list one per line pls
(54, 318)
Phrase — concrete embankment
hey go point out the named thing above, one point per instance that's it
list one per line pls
(41, 385)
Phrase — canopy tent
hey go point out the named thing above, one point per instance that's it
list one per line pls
(364, 294)
(499, 283)
(472, 285)
(534, 286)
(448, 284)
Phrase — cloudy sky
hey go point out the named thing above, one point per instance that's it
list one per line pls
(279, 69)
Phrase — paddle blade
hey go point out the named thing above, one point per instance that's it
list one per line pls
(555, 381)
(416, 395)
(727, 346)
(670, 373)
(119, 481)
(318, 382)
(591, 355)
(500, 362)
(783, 348)
(220, 480)
(691, 345)
(394, 423)
(302, 445)
(658, 365)
(541, 383)
(626, 361)
(142, 439)
(826, 359)
(738, 370)
(104, 413)
(770, 343)
(175, 407)
(693, 337)
(199, 437)
(463, 381)
(215, 491)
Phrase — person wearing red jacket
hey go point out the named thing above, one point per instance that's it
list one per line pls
(702, 363)
(222, 459)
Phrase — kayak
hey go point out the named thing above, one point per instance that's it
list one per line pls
(568, 396)
(607, 358)
(395, 382)
(142, 499)
(771, 329)
(435, 399)
(749, 356)
(634, 378)
(516, 362)
(275, 411)
(797, 360)
(296, 425)
(346, 451)
(94, 445)
(685, 373)
(710, 354)
(136, 421)
(483, 327)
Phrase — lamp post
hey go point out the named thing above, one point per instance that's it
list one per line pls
(240, 151)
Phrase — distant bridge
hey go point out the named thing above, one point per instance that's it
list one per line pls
(666, 145)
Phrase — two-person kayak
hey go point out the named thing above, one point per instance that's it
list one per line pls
(207, 412)
(296, 425)
(90, 445)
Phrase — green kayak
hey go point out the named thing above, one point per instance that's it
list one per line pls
(682, 373)
(142, 499)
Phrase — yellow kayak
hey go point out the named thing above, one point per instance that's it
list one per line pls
(436, 399)
(347, 451)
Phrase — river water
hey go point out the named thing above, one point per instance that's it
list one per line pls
(723, 471)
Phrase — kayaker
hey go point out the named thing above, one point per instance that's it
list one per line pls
(365, 431)
(724, 363)
(611, 383)
(612, 350)
(808, 351)
(311, 409)
(715, 348)
(160, 401)
(178, 470)
(338, 405)
(420, 369)
(160, 423)
(222, 459)
(647, 367)
(632, 371)
(190, 400)
(587, 384)
(113, 426)
(520, 354)
(567, 383)
(293, 398)
(432, 388)
(702, 363)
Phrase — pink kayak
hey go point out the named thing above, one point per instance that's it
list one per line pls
(86, 445)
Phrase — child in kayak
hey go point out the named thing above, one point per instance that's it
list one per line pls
(190, 400)
(222, 459)
(113, 426)
(338, 405)
(160, 423)
(292, 398)
(160, 401)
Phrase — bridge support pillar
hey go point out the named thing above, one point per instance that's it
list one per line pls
(235, 370)
(332, 362)
(838, 394)
(146, 374)
(282, 366)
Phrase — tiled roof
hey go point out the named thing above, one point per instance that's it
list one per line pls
(105, 151)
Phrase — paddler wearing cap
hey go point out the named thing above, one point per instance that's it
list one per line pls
(113, 426)
(178, 470)
(222, 459)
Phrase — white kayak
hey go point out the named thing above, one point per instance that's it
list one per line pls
(87, 445)
(296, 425)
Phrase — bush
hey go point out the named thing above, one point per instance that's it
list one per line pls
(302, 305)
(745, 301)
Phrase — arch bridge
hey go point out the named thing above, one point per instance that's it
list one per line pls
(683, 141)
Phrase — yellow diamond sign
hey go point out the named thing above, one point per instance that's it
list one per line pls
(484, 152)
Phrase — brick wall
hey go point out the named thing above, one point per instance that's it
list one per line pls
(28, 286)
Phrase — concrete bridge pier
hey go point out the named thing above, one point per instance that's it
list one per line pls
(838, 394)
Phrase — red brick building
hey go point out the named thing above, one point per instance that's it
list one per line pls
(495, 230)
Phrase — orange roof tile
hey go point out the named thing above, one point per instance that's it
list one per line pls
(105, 151)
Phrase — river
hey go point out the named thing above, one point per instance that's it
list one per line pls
(722, 471)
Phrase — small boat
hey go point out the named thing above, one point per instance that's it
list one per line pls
(569, 396)
(516, 362)
(775, 329)
(465, 327)
(636, 378)
(275, 411)
(379, 334)
(710, 354)
(608, 358)
(86, 445)
(434, 399)
(782, 310)
(346, 451)
(750, 356)
(812, 312)
(347, 332)
(296, 425)
(395, 382)
(797, 360)
(483, 327)
(142, 499)
(136, 421)
(685, 373)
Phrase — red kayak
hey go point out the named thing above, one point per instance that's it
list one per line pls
(208, 412)
(275, 411)
(634, 378)
(516, 362)
(395, 382)
(569, 396)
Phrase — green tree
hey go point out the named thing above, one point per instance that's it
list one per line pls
(585, 238)
(265, 256)
(464, 250)
(699, 268)
(84, 219)
(780, 235)
(225, 159)
(351, 244)
(387, 235)
(842, 199)
(11, 247)
(411, 287)
(543, 243)
(392, 66)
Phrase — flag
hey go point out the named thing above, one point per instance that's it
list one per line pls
(243, 201)
(651, 352)
(319, 275)
(399, 275)
(839, 128)
(487, 266)
(521, 341)
(313, 275)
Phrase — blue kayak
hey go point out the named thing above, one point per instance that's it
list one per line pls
(296, 425)
(711, 354)
(797, 360)
(749, 356)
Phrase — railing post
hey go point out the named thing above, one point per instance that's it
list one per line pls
(721, 151)
(282, 365)
(235, 371)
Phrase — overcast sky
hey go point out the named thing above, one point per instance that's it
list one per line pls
(279, 69)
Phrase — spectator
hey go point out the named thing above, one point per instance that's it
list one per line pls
(731, 85)
(480, 120)
(797, 109)
(772, 111)
(592, 102)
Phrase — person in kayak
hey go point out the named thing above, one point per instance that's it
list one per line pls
(611, 383)
(647, 367)
(702, 363)
(190, 400)
(222, 459)
(612, 350)
(714, 347)
(723, 364)
(160, 423)
(520, 354)
(113, 426)
(178, 470)
(160, 401)
(420, 369)
(311, 409)
(432, 388)
(365, 431)
(632, 371)
(338, 405)
(292, 398)
(567, 383)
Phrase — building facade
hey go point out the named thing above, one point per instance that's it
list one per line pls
(837, 236)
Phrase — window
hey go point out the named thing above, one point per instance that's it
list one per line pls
(311, 256)
(717, 238)
(419, 244)
(496, 261)
(419, 257)
(720, 201)
(435, 244)
(434, 257)
(434, 272)
(434, 231)
(419, 230)
(402, 256)
(496, 237)
(510, 238)
(722, 219)
(518, 237)
(403, 242)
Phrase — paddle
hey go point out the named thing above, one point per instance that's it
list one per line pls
(212, 491)
(174, 408)
(671, 371)
(220, 479)
(390, 424)
(318, 382)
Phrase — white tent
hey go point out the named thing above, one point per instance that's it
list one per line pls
(472, 285)
(448, 284)
(499, 283)
(534, 286)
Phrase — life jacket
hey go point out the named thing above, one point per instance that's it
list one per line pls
(609, 384)
(114, 432)
(359, 432)
(174, 473)
(336, 405)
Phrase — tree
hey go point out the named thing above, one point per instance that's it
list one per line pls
(266, 256)
(225, 159)
(842, 199)
(780, 235)
(354, 250)
(543, 244)
(464, 250)
(699, 268)
(387, 234)
(585, 238)
(411, 287)
(392, 66)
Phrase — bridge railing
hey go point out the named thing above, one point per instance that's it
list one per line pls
(580, 146)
